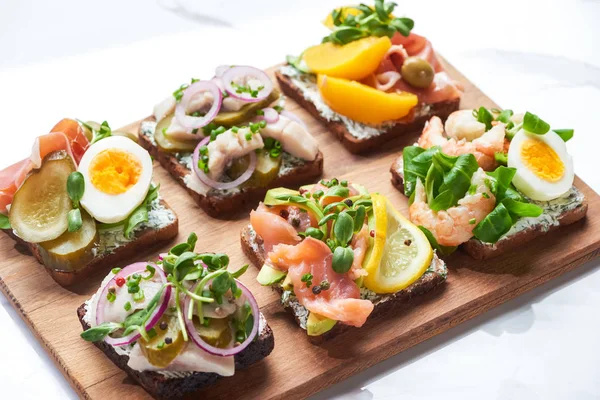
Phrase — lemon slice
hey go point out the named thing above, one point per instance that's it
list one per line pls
(400, 254)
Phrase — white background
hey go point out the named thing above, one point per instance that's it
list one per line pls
(114, 59)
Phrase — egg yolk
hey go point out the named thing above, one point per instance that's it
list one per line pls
(542, 160)
(115, 171)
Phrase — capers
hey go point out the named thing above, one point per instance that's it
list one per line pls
(417, 72)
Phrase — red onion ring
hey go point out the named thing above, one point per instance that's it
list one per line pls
(386, 80)
(193, 333)
(154, 318)
(221, 185)
(270, 115)
(233, 73)
(221, 69)
(293, 117)
(189, 122)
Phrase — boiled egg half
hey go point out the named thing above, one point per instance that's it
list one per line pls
(544, 167)
(117, 174)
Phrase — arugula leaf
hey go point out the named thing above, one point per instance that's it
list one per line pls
(484, 116)
(518, 209)
(565, 134)
(103, 133)
(456, 181)
(4, 222)
(443, 250)
(503, 177)
(503, 217)
(532, 123)
(140, 214)
(494, 225)
(417, 161)
(501, 158)
(505, 116)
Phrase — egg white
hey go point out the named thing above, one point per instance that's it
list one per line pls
(527, 181)
(108, 208)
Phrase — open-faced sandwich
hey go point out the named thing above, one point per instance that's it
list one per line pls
(338, 254)
(84, 198)
(489, 180)
(371, 79)
(223, 142)
(179, 324)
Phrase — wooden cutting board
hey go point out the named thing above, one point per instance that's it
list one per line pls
(297, 368)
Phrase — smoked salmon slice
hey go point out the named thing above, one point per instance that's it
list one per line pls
(66, 135)
(273, 229)
(341, 302)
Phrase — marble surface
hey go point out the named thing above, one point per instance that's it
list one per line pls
(113, 59)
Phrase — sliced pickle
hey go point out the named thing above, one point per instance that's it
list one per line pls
(238, 167)
(39, 209)
(128, 135)
(217, 333)
(171, 145)
(158, 352)
(72, 250)
(248, 111)
(267, 169)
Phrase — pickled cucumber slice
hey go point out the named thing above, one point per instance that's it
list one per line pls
(217, 333)
(128, 135)
(157, 350)
(248, 111)
(72, 250)
(267, 169)
(40, 206)
(171, 145)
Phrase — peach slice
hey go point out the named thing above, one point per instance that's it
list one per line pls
(355, 60)
(363, 103)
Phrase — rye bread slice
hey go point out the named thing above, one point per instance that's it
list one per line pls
(144, 239)
(405, 126)
(480, 250)
(161, 387)
(220, 205)
(252, 245)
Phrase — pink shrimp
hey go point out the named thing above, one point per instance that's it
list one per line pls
(483, 147)
(454, 225)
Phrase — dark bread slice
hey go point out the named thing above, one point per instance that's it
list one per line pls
(162, 387)
(480, 250)
(405, 126)
(144, 239)
(223, 206)
(253, 248)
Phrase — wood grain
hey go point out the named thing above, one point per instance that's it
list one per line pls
(297, 368)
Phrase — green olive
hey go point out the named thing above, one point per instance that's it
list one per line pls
(417, 72)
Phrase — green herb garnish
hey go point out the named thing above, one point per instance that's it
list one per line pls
(368, 22)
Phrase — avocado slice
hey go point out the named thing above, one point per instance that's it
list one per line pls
(317, 325)
(271, 196)
(268, 275)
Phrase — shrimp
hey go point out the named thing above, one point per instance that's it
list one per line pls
(454, 225)
(483, 147)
